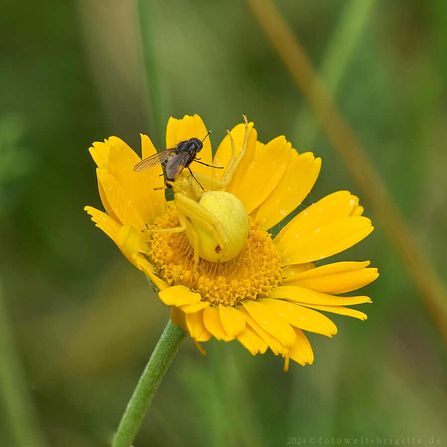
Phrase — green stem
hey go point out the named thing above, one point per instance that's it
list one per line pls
(148, 384)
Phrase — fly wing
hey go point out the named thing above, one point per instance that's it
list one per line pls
(158, 158)
(176, 164)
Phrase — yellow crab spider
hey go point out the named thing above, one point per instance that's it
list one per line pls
(215, 221)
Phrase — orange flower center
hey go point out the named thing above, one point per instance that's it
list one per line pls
(253, 273)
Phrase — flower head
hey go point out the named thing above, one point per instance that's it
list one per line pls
(209, 250)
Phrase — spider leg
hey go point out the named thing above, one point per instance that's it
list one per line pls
(235, 161)
(206, 164)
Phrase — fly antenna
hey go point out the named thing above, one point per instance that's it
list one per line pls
(207, 135)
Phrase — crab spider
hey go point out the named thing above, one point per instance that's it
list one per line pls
(207, 215)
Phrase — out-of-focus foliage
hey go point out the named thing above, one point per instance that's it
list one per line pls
(85, 320)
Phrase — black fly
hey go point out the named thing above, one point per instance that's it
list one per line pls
(174, 160)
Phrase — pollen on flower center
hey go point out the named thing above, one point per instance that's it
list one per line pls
(251, 274)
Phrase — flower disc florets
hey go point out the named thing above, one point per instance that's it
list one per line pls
(254, 272)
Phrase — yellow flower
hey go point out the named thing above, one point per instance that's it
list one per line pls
(267, 290)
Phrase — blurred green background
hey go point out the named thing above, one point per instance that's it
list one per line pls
(78, 322)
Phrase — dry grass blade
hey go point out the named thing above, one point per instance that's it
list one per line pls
(349, 148)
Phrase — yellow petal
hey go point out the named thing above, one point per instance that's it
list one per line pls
(301, 352)
(211, 320)
(147, 147)
(270, 322)
(119, 201)
(337, 205)
(232, 320)
(298, 272)
(276, 347)
(339, 277)
(104, 222)
(105, 202)
(196, 328)
(302, 317)
(186, 128)
(264, 172)
(340, 310)
(113, 153)
(296, 183)
(307, 296)
(323, 241)
(357, 211)
(179, 296)
(128, 240)
(143, 188)
(116, 157)
(149, 185)
(291, 271)
(99, 151)
(252, 342)
(191, 308)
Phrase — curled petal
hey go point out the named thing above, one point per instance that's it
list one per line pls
(192, 308)
(251, 341)
(213, 324)
(179, 296)
(196, 328)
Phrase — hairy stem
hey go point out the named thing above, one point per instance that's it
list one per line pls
(148, 384)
